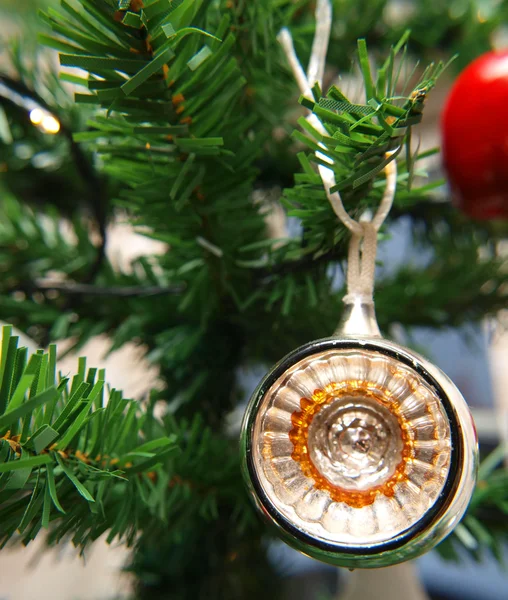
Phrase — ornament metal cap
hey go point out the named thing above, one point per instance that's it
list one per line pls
(358, 318)
(359, 451)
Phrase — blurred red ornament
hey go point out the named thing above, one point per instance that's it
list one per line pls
(475, 137)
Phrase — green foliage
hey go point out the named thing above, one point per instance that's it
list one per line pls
(454, 287)
(183, 113)
(85, 460)
(464, 27)
(79, 461)
(361, 140)
(484, 528)
(183, 144)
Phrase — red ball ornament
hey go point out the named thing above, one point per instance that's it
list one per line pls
(475, 137)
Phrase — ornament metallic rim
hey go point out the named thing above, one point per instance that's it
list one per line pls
(440, 519)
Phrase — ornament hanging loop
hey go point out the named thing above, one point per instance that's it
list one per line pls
(362, 264)
(362, 258)
(359, 317)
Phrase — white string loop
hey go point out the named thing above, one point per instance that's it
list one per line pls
(362, 264)
(316, 70)
(363, 244)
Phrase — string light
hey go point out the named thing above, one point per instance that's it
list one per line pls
(36, 116)
(50, 124)
(45, 121)
(40, 117)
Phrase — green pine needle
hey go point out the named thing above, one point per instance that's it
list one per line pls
(50, 471)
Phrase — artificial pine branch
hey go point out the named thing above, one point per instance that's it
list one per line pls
(11, 91)
(79, 462)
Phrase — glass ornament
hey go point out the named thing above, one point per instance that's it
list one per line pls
(361, 452)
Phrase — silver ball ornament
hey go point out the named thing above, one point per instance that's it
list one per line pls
(361, 452)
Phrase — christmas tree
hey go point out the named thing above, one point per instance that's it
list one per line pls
(185, 121)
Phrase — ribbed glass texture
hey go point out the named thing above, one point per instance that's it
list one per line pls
(352, 446)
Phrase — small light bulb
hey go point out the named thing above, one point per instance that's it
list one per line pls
(44, 120)
(50, 125)
(36, 116)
